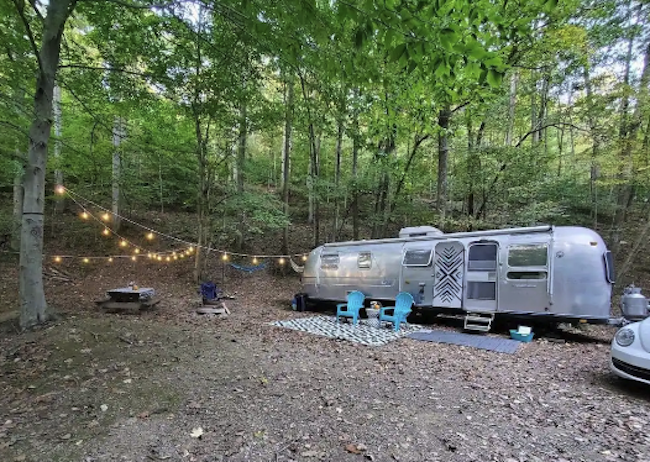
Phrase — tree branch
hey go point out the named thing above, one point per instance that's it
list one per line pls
(554, 124)
(21, 12)
(109, 69)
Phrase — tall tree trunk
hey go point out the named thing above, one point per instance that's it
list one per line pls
(355, 161)
(18, 204)
(443, 152)
(32, 295)
(58, 173)
(628, 132)
(595, 147)
(512, 103)
(286, 158)
(314, 167)
(241, 162)
(117, 165)
(337, 178)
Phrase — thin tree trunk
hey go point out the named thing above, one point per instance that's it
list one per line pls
(443, 153)
(337, 177)
(628, 132)
(241, 161)
(117, 140)
(595, 148)
(160, 184)
(514, 79)
(355, 161)
(286, 159)
(32, 295)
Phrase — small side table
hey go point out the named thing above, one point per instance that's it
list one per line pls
(373, 317)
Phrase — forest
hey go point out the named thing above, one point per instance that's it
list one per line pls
(356, 117)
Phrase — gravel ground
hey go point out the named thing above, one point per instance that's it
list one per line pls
(173, 385)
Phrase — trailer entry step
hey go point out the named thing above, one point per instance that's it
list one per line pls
(479, 321)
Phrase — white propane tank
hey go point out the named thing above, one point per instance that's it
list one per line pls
(634, 305)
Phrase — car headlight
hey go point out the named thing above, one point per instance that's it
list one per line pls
(625, 337)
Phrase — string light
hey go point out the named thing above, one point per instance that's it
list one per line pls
(110, 259)
(149, 256)
(134, 258)
(151, 234)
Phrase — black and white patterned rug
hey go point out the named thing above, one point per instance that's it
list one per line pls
(362, 333)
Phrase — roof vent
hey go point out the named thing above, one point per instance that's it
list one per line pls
(419, 231)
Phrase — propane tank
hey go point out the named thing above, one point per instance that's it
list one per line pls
(634, 305)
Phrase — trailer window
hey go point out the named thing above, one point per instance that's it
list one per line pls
(329, 261)
(481, 290)
(527, 255)
(609, 267)
(482, 257)
(364, 260)
(417, 257)
(526, 275)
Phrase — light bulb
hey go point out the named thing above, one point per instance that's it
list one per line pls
(175, 257)
(150, 236)
(281, 261)
(159, 258)
(134, 258)
(304, 258)
(167, 259)
(110, 259)
(106, 232)
(86, 260)
(57, 259)
(106, 217)
(224, 257)
(136, 250)
(59, 189)
(190, 250)
(84, 215)
(123, 243)
(254, 260)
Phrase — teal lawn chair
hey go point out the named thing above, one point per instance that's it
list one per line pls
(352, 307)
(399, 312)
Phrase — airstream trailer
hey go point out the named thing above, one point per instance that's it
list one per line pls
(559, 273)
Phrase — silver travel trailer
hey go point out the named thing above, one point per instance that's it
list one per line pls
(560, 273)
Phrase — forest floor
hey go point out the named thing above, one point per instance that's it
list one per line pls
(174, 385)
(106, 387)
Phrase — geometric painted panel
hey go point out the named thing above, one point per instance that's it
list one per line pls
(449, 264)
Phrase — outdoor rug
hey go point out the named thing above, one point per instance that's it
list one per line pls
(362, 333)
(501, 345)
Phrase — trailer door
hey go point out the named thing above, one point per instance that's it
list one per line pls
(448, 272)
(481, 278)
(525, 286)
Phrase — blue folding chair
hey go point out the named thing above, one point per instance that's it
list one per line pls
(351, 308)
(399, 312)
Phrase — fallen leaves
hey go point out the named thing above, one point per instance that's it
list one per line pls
(196, 432)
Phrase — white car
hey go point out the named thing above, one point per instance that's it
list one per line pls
(630, 354)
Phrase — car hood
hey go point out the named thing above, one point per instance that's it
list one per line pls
(644, 334)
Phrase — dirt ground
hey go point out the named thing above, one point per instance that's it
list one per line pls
(177, 386)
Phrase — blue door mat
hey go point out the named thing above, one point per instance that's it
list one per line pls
(362, 333)
(500, 345)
